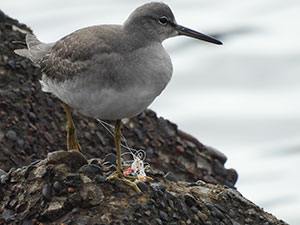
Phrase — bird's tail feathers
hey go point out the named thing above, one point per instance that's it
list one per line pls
(36, 50)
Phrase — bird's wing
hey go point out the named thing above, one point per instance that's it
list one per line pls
(75, 53)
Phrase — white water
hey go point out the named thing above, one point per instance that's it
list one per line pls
(242, 98)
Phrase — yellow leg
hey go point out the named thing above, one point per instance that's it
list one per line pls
(72, 141)
(118, 175)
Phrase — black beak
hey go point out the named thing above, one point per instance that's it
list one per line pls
(194, 34)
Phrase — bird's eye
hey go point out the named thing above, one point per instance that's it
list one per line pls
(163, 20)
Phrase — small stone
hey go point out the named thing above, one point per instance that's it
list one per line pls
(49, 138)
(171, 177)
(143, 187)
(2, 172)
(179, 148)
(8, 216)
(12, 64)
(57, 186)
(163, 215)
(132, 202)
(28, 170)
(32, 116)
(91, 194)
(121, 195)
(12, 135)
(148, 213)
(234, 222)
(47, 192)
(190, 200)
(74, 159)
(71, 190)
(214, 211)
(91, 170)
(158, 186)
(20, 142)
(111, 158)
(73, 180)
(158, 221)
(216, 154)
(94, 161)
(100, 179)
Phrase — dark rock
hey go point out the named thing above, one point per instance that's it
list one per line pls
(100, 179)
(94, 161)
(12, 135)
(73, 180)
(57, 186)
(20, 142)
(158, 221)
(91, 194)
(110, 158)
(214, 211)
(2, 17)
(91, 170)
(8, 216)
(121, 195)
(171, 177)
(143, 187)
(217, 154)
(158, 186)
(2, 172)
(73, 158)
(47, 192)
(163, 215)
(190, 200)
(28, 170)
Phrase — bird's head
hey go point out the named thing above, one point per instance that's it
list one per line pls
(156, 22)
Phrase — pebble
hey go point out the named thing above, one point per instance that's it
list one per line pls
(163, 215)
(148, 213)
(71, 190)
(2, 172)
(91, 170)
(158, 221)
(214, 211)
(143, 187)
(111, 158)
(190, 200)
(94, 161)
(73, 158)
(216, 154)
(28, 170)
(73, 180)
(57, 186)
(132, 201)
(100, 179)
(47, 192)
(12, 135)
(158, 186)
(121, 195)
(171, 177)
(20, 142)
(8, 216)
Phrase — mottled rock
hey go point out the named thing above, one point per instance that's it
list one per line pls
(74, 159)
(91, 194)
(171, 177)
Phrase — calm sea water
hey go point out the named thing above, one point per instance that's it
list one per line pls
(242, 97)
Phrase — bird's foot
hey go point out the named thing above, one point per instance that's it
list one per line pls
(129, 180)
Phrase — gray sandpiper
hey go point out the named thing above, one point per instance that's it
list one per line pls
(110, 72)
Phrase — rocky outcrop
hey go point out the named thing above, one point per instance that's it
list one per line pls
(65, 188)
(40, 184)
